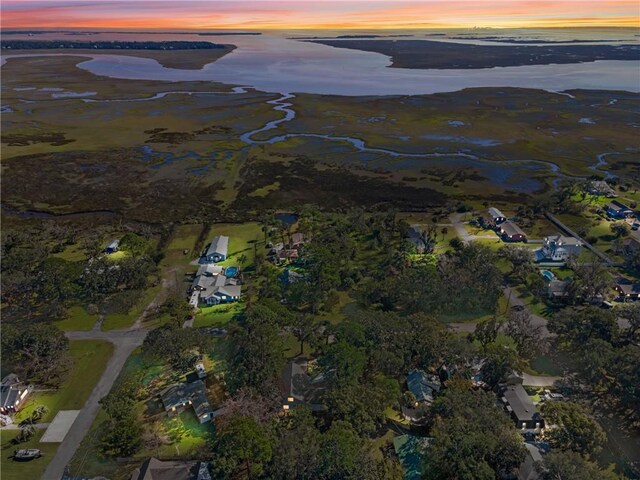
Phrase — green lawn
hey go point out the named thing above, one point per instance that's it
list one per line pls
(10, 470)
(117, 321)
(184, 238)
(72, 253)
(217, 315)
(89, 359)
(242, 238)
(78, 320)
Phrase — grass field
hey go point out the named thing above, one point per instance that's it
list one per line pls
(78, 320)
(117, 321)
(10, 470)
(217, 315)
(243, 238)
(89, 358)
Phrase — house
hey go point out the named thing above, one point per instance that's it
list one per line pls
(521, 408)
(600, 188)
(218, 250)
(497, 217)
(558, 289)
(423, 386)
(558, 248)
(527, 469)
(176, 398)
(201, 371)
(290, 276)
(13, 394)
(415, 237)
(628, 291)
(154, 469)
(618, 210)
(112, 247)
(302, 387)
(209, 270)
(297, 240)
(284, 255)
(214, 295)
(510, 232)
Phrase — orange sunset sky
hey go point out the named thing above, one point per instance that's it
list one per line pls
(270, 14)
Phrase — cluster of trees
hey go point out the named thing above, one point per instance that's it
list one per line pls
(36, 352)
(177, 346)
(295, 447)
(604, 354)
(34, 283)
(464, 280)
(121, 434)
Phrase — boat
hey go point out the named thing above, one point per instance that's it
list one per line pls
(26, 454)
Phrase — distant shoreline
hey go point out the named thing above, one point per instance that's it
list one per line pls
(429, 54)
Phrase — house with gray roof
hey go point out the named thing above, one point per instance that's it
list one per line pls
(154, 469)
(13, 394)
(521, 408)
(218, 249)
(423, 386)
(176, 398)
(301, 387)
(497, 217)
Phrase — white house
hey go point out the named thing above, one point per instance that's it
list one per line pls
(558, 248)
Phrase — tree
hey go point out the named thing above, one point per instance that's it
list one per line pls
(521, 260)
(444, 232)
(559, 465)
(575, 326)
(486, 332)
(620, 229)
(243, 446)
(573, 428)
(36, 352)
(526, 336)
(177, 308)
(343, 364)
(591, 279)
(500, 362)
(472, 438)
(303, 329)
(135, 244)
(256, 357)
(179, 346)
(297, 451)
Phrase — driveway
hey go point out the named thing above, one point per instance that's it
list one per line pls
(456, 221)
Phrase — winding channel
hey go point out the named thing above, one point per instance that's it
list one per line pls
(282, 105)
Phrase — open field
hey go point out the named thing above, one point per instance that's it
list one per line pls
(89, 358)
(10, 470)
(78, 320)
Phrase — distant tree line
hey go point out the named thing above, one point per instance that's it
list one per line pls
(106, 45)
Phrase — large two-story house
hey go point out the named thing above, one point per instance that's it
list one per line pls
(558, 248)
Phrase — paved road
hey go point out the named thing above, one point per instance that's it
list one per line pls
(456, 221)
(125, 341)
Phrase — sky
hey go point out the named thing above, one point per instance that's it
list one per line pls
(307, 14)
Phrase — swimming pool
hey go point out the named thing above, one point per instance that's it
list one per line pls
(231, 271)
(548, 275)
